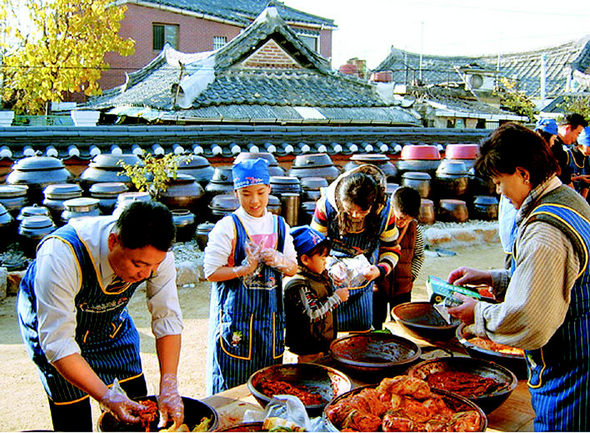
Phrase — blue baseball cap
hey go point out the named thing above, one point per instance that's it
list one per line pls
(547, 125)
(250, 172)
(584, 137)
(305, 238)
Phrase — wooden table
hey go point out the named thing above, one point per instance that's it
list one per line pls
(515, 414)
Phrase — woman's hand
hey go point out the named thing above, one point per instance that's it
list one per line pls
(465, 311)
(463, 275)
(371, 273)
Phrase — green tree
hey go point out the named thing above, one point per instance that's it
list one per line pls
(153, 173)
(576, 104)
(53, 47)
(515, 100)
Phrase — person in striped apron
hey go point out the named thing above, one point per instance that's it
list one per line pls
(356, 215)
(73, 318)
(545, 295)
(246, 256)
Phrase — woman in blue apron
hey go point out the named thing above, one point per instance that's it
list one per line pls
(545, 296)
(247, 320)
(355, 213)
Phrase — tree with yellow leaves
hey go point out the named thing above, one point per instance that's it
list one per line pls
(55, 47)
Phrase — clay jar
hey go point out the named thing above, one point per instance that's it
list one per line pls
(13, 197)
(222, 182)
(126, 198)
(419, 181)
(7, 227)
(485, 207)
(107, 193)
(380, 160)
(222, 205)
(202, 234)
(311, 188)
(452, 179)
(80, 207)
(453, 210)
(57, 194)
(106, 168)
(183, 193)
(37, 172)
(274, 168)
(198, 167)
(426, 214)
(34, 210)
(417, 157)
(314, 165)
(184, 221)
(31, 230)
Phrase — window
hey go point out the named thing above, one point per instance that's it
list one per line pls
(165, 33)
(310, 41)
(219, 41)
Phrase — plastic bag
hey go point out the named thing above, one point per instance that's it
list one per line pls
(348, 271)
(253, 253)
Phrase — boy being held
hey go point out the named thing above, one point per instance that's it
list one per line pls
(310, 298)
(246, 256)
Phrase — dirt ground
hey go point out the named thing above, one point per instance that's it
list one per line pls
(23, 405)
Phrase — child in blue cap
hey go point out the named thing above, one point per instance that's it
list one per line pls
(247, 254)
(310, 298)
(549, 130)
(579, 163)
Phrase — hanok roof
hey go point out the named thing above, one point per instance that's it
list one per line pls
(561, 61)
(239, 12)
(235, 84)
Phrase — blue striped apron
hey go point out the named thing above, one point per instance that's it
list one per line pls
(105, 332)
(559, 372)
(246, 324)
(356, 314)
(578, 168)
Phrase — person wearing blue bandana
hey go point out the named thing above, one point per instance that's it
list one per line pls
(544, 298)
(72, 312)
(246, 256)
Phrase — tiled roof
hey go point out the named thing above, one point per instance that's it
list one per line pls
(218, 88)
(222, 140)
(526, 66)
(241, 12)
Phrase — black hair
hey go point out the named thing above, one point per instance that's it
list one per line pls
(407, 200)
(362, 190)
(546, 136)
(144, 223)
(511, 146)
(574, 120)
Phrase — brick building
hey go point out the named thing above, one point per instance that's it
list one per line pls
(201, 25)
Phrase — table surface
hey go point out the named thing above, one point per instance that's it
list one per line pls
(515, 414)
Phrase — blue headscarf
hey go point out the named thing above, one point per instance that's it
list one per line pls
(251, 172)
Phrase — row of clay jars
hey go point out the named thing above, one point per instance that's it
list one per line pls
(454, 210)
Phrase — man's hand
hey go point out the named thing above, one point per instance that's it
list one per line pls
(120, 406)
(464, 275)
(465, 311)
(169, 401)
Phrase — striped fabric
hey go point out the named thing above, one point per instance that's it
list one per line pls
(246, 323)
(559, 372)
(356, 314)
(105, 333)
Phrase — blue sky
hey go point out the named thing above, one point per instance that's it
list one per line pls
(367, 29)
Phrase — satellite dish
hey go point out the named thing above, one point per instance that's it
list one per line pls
(476, 81)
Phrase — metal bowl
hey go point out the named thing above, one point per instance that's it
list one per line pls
(194, 412)
(422, 320)
(319, 379)
(490, 399)
(374, 354)
(453, 401)
(514, 363)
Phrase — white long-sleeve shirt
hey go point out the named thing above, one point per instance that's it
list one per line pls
(260, 229)
(59, 278)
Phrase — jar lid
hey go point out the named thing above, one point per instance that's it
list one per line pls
(182, 217)
(485, 200)
(62, 191)
(193, 161)
(284, 180)
(81, 204)
(110, 161)
(34, 163)
(312, 160)
(416, 175)
(125, 197)
(224, 202)
(11, 191)
(314, 182)
(242, 156)
(108, 189)
(28, 211)
(36, 222)
(370, 157)
(222, 175)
